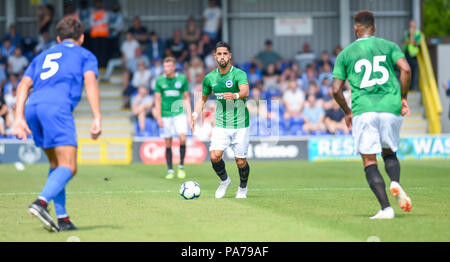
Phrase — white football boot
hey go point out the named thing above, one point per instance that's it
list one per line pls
(387, 213)
(220, 192)
(242, 192)
(402, 198)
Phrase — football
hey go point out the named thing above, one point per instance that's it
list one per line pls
(190, 190)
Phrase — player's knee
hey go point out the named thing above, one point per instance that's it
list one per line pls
(215, 157)
(241, 162)
(387, 152)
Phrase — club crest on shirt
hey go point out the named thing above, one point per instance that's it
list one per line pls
(229, 83)
(178, 84)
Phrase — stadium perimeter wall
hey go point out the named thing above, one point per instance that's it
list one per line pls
(152, 151)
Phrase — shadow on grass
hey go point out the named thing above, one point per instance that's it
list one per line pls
(87, 228)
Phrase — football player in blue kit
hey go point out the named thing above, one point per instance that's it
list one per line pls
(56, 77)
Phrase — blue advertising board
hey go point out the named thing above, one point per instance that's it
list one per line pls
(415, 147)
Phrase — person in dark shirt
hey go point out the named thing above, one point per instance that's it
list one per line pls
(139, 31)
(335, 119)
(177, 48)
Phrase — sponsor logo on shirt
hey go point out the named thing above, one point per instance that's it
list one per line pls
(172, 93)
(229, 83)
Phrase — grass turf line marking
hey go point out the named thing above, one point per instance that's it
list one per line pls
(170, 191)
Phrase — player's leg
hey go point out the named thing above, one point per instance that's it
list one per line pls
(181, 173)
(181, 130)
(59, 200)
(239, 145)
(390, 137)
(367, 144)
(169, 158)
(219, 166)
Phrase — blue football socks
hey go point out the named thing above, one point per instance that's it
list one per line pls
(54, 188)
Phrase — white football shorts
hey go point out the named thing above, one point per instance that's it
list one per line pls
(174, 126)
(373, 131)
(238, 139)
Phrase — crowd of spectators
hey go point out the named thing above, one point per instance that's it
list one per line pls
(287, 96)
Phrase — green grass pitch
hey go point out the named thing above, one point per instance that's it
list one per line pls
(287, 201)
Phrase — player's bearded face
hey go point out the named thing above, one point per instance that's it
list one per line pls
(223, 56)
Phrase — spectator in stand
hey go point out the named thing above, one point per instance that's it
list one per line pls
(132, 66)
(139, 31)
(45, 43)
(3, 79)
(157, 69)
(254, 76)
(17, 63)
(308, 77)
(3, 116)
(191, 33)
(212, 20)
(192, 52)
(335, 119)
(267, 56)
(6, 50)
(326, 95)
(45, 15)
(196, 68)
(10, 100)
(99, 21)
(141, 107)
(325, 59)
(336, 52)
(84, 15)
(294, 100)
(116, 27)
(177, 48)
(325, 72)
(69, 12)
(13, 81)
(128, 50)
(305, 57)
(16, 39)
(271, 79)
(154, 47)
(210, 62)
(313, 115)
(142, 77)
(205, 46)
(411, 48)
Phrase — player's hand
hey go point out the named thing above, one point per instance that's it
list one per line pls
(21, 129)
(96, 128)
(348, 120)
(160, 123)
(405, 107)
(229, 96)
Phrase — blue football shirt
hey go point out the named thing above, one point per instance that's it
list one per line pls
(58, 74)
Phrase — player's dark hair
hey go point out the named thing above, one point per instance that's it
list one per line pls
(69, 28)
(222, 44)
(365, 18)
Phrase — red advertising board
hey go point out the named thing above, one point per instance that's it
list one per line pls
(153, 151)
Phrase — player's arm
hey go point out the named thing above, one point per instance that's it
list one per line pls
(198, 109)
(93, 95)
(20, 127)
(243, 93)
(158, 101)
(405, 81)
(338, 94)
(187, 105)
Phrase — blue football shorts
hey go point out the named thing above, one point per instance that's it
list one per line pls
(52, 125)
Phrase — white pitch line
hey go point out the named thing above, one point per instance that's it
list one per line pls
(170, 191)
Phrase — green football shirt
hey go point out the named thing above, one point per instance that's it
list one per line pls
(232, 113)
(368, 64)
(171, 90)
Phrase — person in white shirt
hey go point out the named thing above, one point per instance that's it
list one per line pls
(17, 63)
(141, 106)
(212, 20)
(128, 50)
(294, 100)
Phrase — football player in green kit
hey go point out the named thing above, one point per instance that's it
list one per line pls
(230, 87)
(173, 111)
(378, 106)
